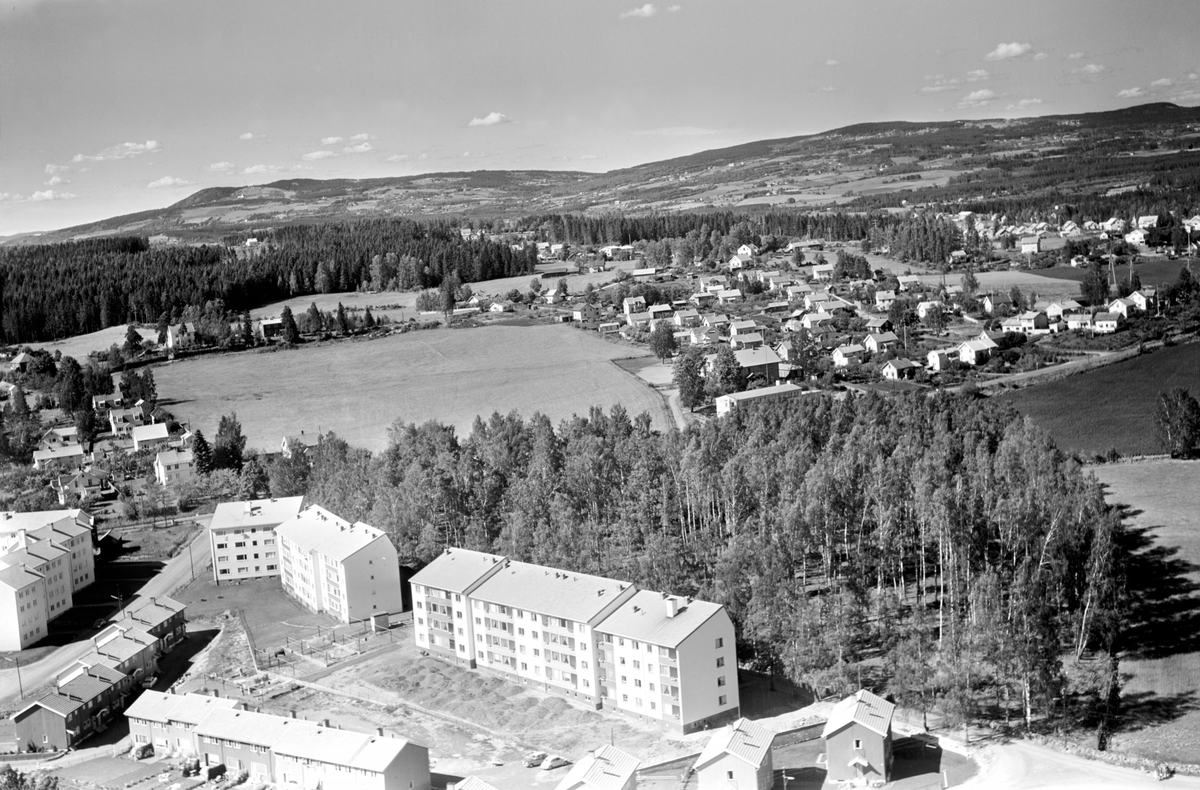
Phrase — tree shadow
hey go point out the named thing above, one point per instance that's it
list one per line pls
(1147, 709)
(1164, 617)
(761, 697)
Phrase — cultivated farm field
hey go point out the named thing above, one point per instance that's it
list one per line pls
(1152, 271)
(360, 387)
(1161, 671)
(1112, 406)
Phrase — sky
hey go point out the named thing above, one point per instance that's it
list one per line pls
(114, 106)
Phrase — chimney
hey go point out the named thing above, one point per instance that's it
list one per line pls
(153, 600)
(379, 731)
(292, 713)
(324, 722)
(672, 607)
(216, 693)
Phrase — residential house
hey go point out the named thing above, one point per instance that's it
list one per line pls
(500, 307)
(172, 467)
(687, 318)
(734, 400)
(925, 308)
(270, 328)
(823, 271)
(745, 340)
(884, 299)
(989, 304)
(742, 327)
(633, 304)
(606, 768)
(879, 325)
(1106, 323)
(729, 295)
(703, 336)
(858, 739)
(737, 756)
(845, 355)
(762, 361)
(586, 313)
(1029, 245)
(940, 359)
(908, 281)
(181, 336)
(20, 363)
(738, 262)
(1055, 310)
(1143, 300)
(875, 342)
(703, 299)
(1079, 321)
(776, 307)
(1148, 222)
(73, 712)
(241, 537)
(1035, 322)
(122, 421)
(163, 618)
(748, 250)
(813, 320)
(815, 298)
(66, 457)
(149, 436)
(280, 750)
(308, 440)
(1136, 237)
(798, 291)
(350, 571)
(899, 368)
(55, 438)
(74, 488)
(975, 352)
(1012, 324)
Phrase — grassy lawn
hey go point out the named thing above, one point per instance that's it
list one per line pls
(1161, 680)
(358, 388)
(1152, 271)
(1112, 406)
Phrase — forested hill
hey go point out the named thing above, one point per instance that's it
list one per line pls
(59, 290)
(1139, 157)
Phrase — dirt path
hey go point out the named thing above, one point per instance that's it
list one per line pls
(1021, 765)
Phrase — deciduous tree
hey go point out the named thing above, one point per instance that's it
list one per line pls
(230, 444)
(1177, 419)
(688, 377)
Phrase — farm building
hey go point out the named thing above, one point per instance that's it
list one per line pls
(858, 739)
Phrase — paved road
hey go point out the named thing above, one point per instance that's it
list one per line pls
(176, 572)
(1021, 765)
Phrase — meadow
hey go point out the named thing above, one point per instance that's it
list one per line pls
(1152, 271)
(358, 388)
(1161, 669)
(1110, 407)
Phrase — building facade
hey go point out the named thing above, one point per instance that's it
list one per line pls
(241, 536)
(599, 641)
(350, 571)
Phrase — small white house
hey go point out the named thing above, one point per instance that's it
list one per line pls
(174, 466)
(843, 356)
(737, 756)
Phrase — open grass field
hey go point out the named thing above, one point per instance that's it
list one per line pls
(1112, 406)
(1153, 271)
(81, 345)
(1162, 680)
(359, 388)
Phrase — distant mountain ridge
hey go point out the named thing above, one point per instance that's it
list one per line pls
(839, 167)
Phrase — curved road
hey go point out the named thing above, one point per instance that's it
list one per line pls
(1022, 765)
(174, 573)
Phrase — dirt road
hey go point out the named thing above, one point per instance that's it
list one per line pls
(1021, 765)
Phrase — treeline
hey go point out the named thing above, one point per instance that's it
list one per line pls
(622, 229)
(941, 548)
(59, 290)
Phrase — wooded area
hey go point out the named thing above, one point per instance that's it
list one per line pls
(937, 547)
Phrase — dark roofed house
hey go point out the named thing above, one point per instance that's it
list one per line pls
(858, 739)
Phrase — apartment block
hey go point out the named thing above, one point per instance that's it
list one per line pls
(277, 749)
(350, 571)
(599, 641)
(241, 536)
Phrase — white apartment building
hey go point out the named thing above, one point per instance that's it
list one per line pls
(350, 571)
(599, 641)
(656, 645)
(242, 539)
(45, 557)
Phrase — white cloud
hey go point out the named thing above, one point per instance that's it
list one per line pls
(52, 169)
(396, 158)
(1025, 104)
(1090, 70)
(979, 98)
(252, 169)
(330, 140)
(361, 136)
(1075, 56)
(361, 148)
(122, 151)
(491, 119)
(56, 180)
(6, 196)
(674, 8)
(50, 194)
(299, 168)
(832, 62)
(168, 181)
(249, 136)
(641, 11)
(1163, 83)
(313, 156)
(221, 167)
(465, 153)
(1041, 56)
(978, 75)
(940, 83)
(1007, 51)
(1131, 93)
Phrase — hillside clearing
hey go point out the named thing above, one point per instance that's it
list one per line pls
(359, 388)
(1112, 406)
(1163, 690)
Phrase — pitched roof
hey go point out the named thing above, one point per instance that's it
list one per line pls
(863, 707)
(474, 783)
(607, 768)
(742, 739)
(316, 529)
(457, 570)
(157, 430)
(753, 357)
(243, 726)
(154, 611)
(174, 457)
(573, 596)
(187, 708)
(644, 618)
(18, 577)
(255, 512)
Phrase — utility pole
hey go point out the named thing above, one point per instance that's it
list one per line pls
(20, 686)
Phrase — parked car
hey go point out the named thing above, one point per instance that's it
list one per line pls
(535, 759)
(554, 762)
(148, 682)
